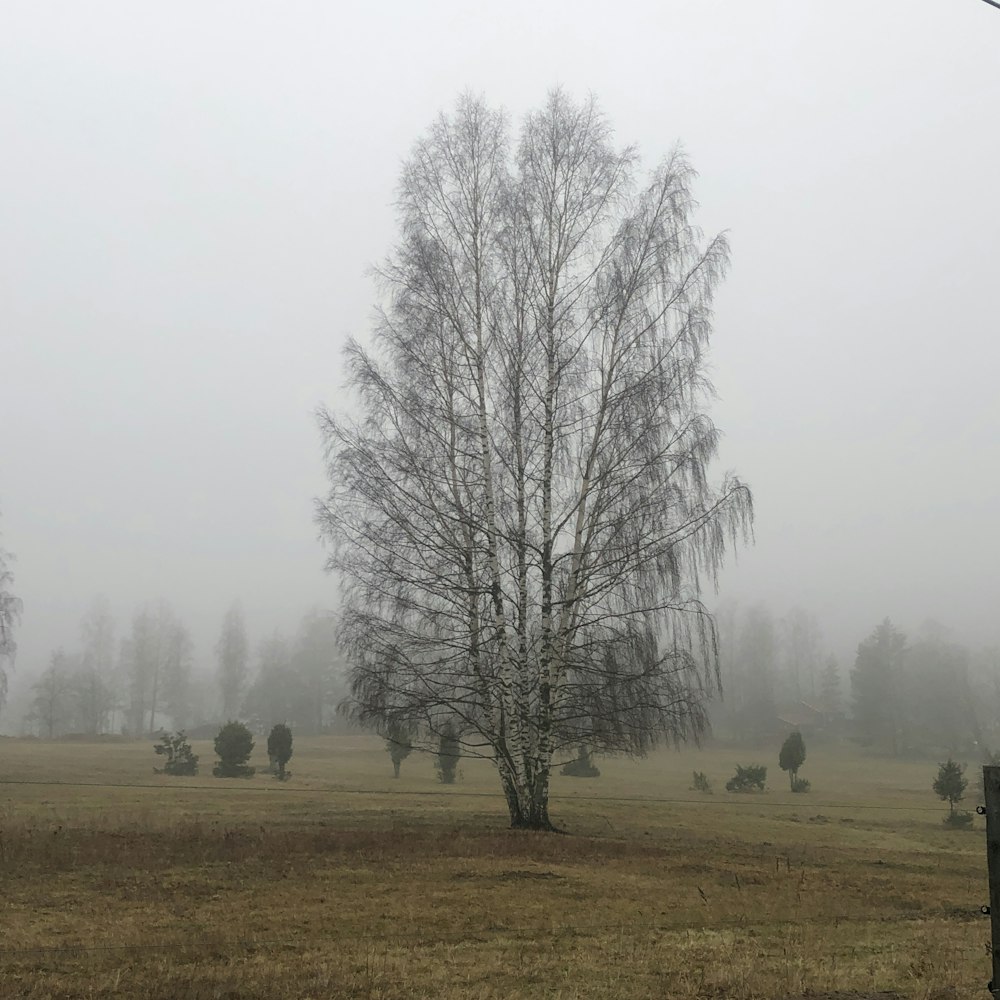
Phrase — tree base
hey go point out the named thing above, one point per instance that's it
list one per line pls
(539, 824)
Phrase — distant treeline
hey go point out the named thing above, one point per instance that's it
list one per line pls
(927, 693)
(145, 680)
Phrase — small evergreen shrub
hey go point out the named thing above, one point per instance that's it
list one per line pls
(398, 745)
(583, 766)
(448, 755)
(791, 757)
(181, 759)
(800, 785)
(700, 783)
(950, 785)
(233, 745)
(748, 779)
(279, 749)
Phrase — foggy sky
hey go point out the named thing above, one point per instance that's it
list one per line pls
(192, 193)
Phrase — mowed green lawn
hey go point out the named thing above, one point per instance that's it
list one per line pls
(344, 882)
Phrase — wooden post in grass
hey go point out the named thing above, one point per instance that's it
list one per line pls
(991, 785)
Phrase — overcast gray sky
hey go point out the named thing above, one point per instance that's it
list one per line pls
(192, 192)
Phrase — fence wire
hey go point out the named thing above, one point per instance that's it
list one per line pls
(286, 789)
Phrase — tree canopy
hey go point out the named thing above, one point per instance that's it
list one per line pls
(521, 515)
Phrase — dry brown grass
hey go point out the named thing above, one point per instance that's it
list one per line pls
(345, 883)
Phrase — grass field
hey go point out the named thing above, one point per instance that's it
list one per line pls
(346, 883)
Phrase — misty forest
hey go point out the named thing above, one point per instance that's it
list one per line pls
(911, 695)
(584, 601)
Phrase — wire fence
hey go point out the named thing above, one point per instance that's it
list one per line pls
(733, 799)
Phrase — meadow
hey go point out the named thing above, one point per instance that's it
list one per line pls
(344, 882)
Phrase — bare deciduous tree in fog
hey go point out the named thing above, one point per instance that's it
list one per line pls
(178, 650)
(233, 656)
(138, 663)
(156, 659)
(748, 641)
(522, 519)
(10, 615)
(315, 664)
(51, 706)
(270, 698)
(93, 701)
(95, 684)
(296, 681)
(801, 640)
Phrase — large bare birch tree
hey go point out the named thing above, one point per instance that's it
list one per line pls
(521, 516)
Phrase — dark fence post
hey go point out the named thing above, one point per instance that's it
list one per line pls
(991, 786)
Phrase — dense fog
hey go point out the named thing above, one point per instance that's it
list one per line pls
(192, 197)
(141, 675)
